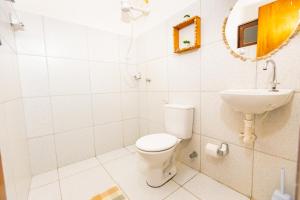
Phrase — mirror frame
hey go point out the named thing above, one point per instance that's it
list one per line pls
(236, 55)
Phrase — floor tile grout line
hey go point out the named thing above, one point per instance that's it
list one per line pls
(114, 180)
(81, 171)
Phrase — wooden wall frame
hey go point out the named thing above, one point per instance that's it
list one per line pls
(241, 33)
(176, 35)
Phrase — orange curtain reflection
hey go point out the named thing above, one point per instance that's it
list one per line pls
(277, 21)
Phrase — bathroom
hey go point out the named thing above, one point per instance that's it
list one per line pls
(93, 93)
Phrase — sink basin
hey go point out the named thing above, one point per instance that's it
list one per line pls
(256, 101)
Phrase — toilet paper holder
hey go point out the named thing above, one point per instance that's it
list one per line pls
(223, 150)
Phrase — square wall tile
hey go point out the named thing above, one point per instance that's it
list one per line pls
(220, 121)
(213, 14)
(128, 81)
(186, 147)
(184, 72)
(79, 143)
(143, 127)
(38, 116)
(65, 40)
(68, 76)
(189, 98)
(142, 68)
(108, 137)
(107, 108)
(15, 149)
(127, 54)
(220, 70)
(155, 127)
(287, 63)
(31, 41)
(6, 32)
(33, 75)
(130, 131)
(9, 76)
(155, 106)
(105, 77)
(278, 132)
(152, 44)
(103, 46)
(237, 165)
(158, 75)
(42, 154)
(266, 176)
(143, 105)
(71, 112)
(130, 102)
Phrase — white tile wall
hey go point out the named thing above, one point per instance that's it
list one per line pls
(9, 76)
(68, 76)
(71, 112)
(103, 46)
(42, 154)
(130, 102)
(105, 77)
(94, 102)
(109, 132)
(31, 41)
(74, 146)
(38, 116)
(13, 140)
(107, 108)
(131, 131)
(65, 39)
(33, 75)
(77, 89)
(196, 78)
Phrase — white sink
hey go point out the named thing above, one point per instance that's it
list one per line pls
(256, 101)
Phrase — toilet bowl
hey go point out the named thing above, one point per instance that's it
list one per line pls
(158, 150)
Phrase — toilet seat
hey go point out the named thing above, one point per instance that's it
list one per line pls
(156, 142)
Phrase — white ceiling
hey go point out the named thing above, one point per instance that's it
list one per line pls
(99, 13)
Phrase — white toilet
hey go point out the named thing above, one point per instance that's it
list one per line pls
(158, 149)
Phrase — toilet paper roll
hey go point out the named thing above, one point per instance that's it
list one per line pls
(212, 150)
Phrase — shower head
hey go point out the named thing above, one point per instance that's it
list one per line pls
(125, 6)
(131, 12)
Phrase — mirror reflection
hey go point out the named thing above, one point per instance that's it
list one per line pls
(257, 28)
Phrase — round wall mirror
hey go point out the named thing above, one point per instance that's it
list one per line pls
(256, 29)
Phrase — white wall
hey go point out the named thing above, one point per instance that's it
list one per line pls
(79, 96)
(104, 15)
(13, 143)
(197, 78)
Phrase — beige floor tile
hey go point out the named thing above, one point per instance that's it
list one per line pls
(86, 185)
(206, 188)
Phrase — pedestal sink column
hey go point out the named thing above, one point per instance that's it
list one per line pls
(249, 129)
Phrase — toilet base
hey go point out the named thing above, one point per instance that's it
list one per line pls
(165, 178)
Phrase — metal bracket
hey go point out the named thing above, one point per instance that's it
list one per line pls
(223, 150)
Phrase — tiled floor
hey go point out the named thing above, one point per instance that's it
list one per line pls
(83, 180)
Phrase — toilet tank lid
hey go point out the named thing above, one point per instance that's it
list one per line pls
(178, 106)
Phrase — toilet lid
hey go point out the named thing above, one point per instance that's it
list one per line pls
(156, 142)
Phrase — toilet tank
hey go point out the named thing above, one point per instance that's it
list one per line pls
(179, 120)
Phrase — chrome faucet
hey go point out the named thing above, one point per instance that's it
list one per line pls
(274, 81)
